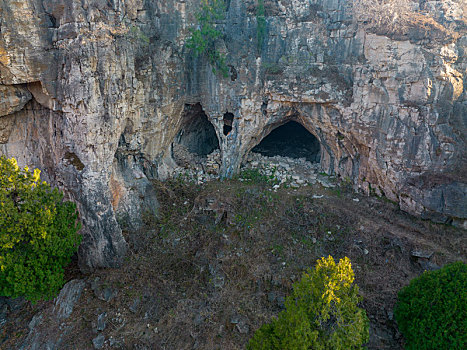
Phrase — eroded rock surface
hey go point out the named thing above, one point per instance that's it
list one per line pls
(96, 92)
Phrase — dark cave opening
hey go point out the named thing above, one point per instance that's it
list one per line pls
(228, 121)
(197, 134)
(290, 140)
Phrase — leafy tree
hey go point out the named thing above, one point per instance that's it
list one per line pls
(205, 34)
(38, 233)
(431, 311)
(321, 313)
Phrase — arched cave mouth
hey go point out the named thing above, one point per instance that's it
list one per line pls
(290, 140)
(195, 149)
(197, 135)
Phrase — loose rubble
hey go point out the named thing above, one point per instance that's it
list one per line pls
(292, 172)
(194, 167)
(279, 170)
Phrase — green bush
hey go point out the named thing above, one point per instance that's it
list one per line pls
(321, 313)
(431, 311)
(205, 34)
(261, 25)
(38, 234)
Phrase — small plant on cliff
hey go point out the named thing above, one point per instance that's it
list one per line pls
(205, 35)
(431, 311)
(38, 233)
(261, 25)
(135, 34)
(321, 313)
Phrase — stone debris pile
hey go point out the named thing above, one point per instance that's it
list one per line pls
(280, 171)
(194, 167)
(292, 172)
(213, 162)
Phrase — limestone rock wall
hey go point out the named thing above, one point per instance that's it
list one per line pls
(94, 93)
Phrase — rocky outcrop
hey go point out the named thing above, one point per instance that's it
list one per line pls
(47, 328)
(95, 92)
(12, 99)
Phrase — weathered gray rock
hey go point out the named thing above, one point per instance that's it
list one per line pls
(101, 322)
(98, 341)
(3, 313)
(36, 320)
(12, 99)
(6, 125)
(111, 84)
(102, 291)
(68, 297)
(241, 323)
(49, 327)
(421, 254)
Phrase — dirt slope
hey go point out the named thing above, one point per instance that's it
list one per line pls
(221, 257)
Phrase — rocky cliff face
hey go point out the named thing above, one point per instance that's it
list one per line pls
(95, 92)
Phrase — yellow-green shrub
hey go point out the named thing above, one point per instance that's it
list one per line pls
(38, 233)
(321, 313)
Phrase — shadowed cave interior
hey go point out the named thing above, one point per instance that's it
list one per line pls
(197, 134)
(290, 140)
(228, 120)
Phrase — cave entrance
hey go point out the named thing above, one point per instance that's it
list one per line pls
(195, 149)
(228, 121)
(196, 133)
(290, 140)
